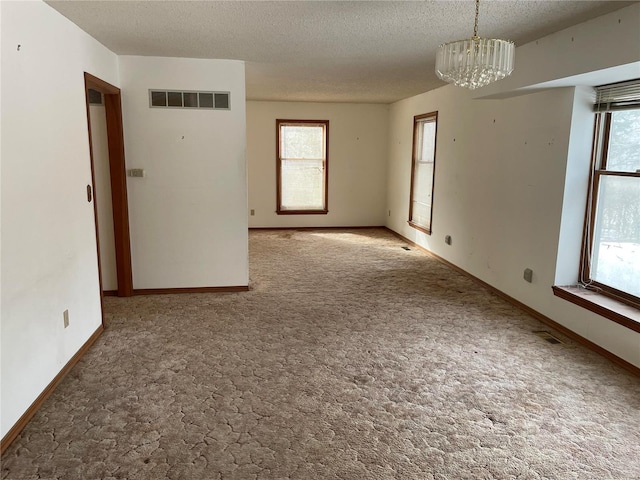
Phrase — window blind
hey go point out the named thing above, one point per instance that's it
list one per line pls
(618, 96)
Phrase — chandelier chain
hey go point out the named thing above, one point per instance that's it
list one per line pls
(475, 26)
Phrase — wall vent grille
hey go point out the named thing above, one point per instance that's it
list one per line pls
(95, 97)
(189, 99)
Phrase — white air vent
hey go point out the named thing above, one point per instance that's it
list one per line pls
(189, 99)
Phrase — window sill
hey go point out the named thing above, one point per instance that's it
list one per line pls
(302, 212)
(420, 227)
(603, 305)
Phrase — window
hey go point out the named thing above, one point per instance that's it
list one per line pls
(423, 171)
(611, 256)
(302, 166)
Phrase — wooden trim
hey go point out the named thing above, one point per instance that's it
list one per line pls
(615, 294)
(279, 209)
(164, 291)
(318, 228)
(118, 176)
(101, 86)
(612, 173)
(413, 170)
(603, 305)
(278, 169)
(326, 166)
(35, 406)
(416, 123)
(419, 227)
(534, 313)
(117, 170)
(605, 140)
(589, 215)
(110, 293)
(599, 153)
(302, 212)
(87, 82)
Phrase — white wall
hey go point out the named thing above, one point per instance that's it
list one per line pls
(49, 257)
(506, 171)
(188, 215)
(357, 162)
(100, 148)
(608, 43)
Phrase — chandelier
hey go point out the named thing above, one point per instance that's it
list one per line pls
(475, 62)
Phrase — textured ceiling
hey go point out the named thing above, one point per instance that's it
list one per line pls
(326, 51)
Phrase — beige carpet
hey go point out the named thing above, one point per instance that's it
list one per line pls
(351, 358)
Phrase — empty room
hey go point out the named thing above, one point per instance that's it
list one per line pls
(320, 239)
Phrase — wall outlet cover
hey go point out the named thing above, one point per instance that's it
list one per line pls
(528, 275)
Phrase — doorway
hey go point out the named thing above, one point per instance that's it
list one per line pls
(109, 148)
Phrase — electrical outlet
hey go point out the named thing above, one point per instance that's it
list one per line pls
(136, 172)
(528, 275)
(389, 212)
(65, 318)
(253, 212)
(447, 239)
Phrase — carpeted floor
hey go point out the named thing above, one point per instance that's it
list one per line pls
(350, 358)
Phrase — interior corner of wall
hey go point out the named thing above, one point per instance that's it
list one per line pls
(576, 185)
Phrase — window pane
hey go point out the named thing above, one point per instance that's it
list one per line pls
(428, 151)
(616, 243)
(422, 182)
(421, 200)
(302, 184)
(624, 141)
(302, 141)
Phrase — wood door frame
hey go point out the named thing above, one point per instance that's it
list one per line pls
(117, 170)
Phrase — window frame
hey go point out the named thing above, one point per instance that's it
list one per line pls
(598, 169)
(417, 122)
(284, 211)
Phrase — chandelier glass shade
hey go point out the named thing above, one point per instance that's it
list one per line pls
(475, 62)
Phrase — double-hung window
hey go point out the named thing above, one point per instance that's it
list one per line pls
(302, 166)
(611, 253)
(423, 171)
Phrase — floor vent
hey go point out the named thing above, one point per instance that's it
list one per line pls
(543, 334)
(406, 248)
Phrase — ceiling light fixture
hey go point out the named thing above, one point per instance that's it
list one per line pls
(475, 62)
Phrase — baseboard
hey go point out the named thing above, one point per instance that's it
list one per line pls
(164, 291)
(318, 228)
(534, 313)
(31, 411)
(110, 293)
